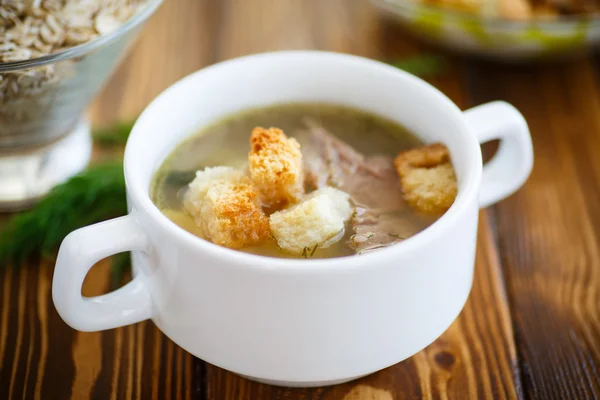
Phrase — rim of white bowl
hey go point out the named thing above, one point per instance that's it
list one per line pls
(467, 190)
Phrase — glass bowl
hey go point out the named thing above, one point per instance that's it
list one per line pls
(496, 38)
(44, 135)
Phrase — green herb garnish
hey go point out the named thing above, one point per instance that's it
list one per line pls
(92, 196)
(421, 65)
(116, 135)
(308, 252)
(395, 235)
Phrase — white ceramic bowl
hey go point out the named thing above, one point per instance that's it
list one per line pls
(295, 322)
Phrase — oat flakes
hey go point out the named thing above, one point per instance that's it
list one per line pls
(34, 28)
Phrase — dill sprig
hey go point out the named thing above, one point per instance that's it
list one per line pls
(115, 135)
(94, 195)
(425, 65)
(397, 236)
(308, 252)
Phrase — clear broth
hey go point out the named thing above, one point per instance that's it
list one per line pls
(226, 142)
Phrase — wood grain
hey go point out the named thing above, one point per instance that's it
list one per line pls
(548, 232)
(42, 358)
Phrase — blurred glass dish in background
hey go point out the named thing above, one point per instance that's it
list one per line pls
(511, 30)
(50, 70)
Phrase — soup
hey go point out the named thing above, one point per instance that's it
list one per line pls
(345, 166)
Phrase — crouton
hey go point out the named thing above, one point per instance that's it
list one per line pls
(316, 221)
(203, 180)
(427, 178)
(340, 198)
(226, 205)
(276, 167)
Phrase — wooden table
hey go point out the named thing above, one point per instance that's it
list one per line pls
(531, 327)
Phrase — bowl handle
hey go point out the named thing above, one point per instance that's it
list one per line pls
(79, 251)
(510, 167)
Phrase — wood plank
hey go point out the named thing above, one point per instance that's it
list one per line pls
(549, 231)
(43, 358)
(476, 357)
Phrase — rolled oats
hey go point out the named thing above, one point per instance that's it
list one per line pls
(31, 29)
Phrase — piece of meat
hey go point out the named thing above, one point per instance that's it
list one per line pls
(374, 229)
(382, 217)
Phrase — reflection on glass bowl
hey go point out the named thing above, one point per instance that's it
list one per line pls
(495, 37)
(44, 136)
(42, 99)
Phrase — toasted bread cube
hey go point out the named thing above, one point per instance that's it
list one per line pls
(232, 215)
(340, 198)
(276, 167)
(316, 221)
(205, 178)
(227, 207)
(427, 178)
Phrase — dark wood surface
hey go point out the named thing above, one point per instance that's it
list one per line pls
(531, 327)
